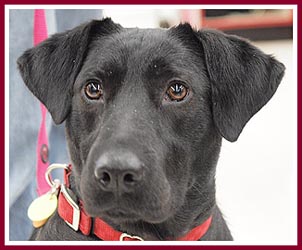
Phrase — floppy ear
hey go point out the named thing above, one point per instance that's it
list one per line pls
(243, 79)
(50, 69)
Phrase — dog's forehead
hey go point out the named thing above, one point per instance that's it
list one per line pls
(137, 47)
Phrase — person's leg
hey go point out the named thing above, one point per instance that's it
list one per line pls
(68, 19)
(20, 225)
(24, 124)
(24, 119)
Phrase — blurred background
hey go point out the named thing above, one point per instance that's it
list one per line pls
(256, 176)
(255, 24)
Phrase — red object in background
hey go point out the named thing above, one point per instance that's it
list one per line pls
(247, 21)
(197, 18)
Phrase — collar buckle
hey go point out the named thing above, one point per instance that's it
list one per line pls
(131, 237)
(75, 208)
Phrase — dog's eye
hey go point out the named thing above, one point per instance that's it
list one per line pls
(93, 90)
(177, 91)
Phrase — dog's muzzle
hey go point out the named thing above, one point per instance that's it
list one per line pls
(119, 172)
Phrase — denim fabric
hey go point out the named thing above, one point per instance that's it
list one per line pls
(25, 116)
(24, 121)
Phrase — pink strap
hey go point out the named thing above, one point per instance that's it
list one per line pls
(40, 34)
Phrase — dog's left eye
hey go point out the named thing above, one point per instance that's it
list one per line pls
(177, 91)
(93, 90)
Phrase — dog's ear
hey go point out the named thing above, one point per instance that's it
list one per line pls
(243, 79)
(50, 68)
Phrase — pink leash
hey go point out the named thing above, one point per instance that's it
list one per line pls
(40, 34)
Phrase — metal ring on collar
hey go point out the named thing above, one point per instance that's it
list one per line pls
(48, 171)
(133, 237)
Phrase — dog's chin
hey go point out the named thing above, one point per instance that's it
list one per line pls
(152, 210)
(120, 216)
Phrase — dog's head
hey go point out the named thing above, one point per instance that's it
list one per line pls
(145, 111)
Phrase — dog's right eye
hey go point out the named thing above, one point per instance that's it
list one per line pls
(93, 90)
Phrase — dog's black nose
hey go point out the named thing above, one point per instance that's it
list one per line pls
(119, 171)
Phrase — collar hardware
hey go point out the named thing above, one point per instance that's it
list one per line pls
(124, 236)
(76, 210)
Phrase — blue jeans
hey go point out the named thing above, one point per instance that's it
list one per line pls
(25, 116)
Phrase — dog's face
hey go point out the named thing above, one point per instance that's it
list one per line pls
(137, 143)
(145, 112)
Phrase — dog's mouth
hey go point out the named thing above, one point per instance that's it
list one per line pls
(150, 201)
(123, 214)
(120, 215)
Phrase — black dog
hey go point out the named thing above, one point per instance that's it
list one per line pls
(145, 112)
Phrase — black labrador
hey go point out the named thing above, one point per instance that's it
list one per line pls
(145, 113)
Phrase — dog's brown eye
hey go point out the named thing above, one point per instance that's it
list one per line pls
(177, 91)
(93, 90)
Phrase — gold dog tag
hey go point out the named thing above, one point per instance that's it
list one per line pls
(42, 208)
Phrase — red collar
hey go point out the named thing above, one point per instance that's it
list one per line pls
(76, 217)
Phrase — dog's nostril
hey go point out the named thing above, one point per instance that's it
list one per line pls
(105, 178)
(118, 171)
(129, 179)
